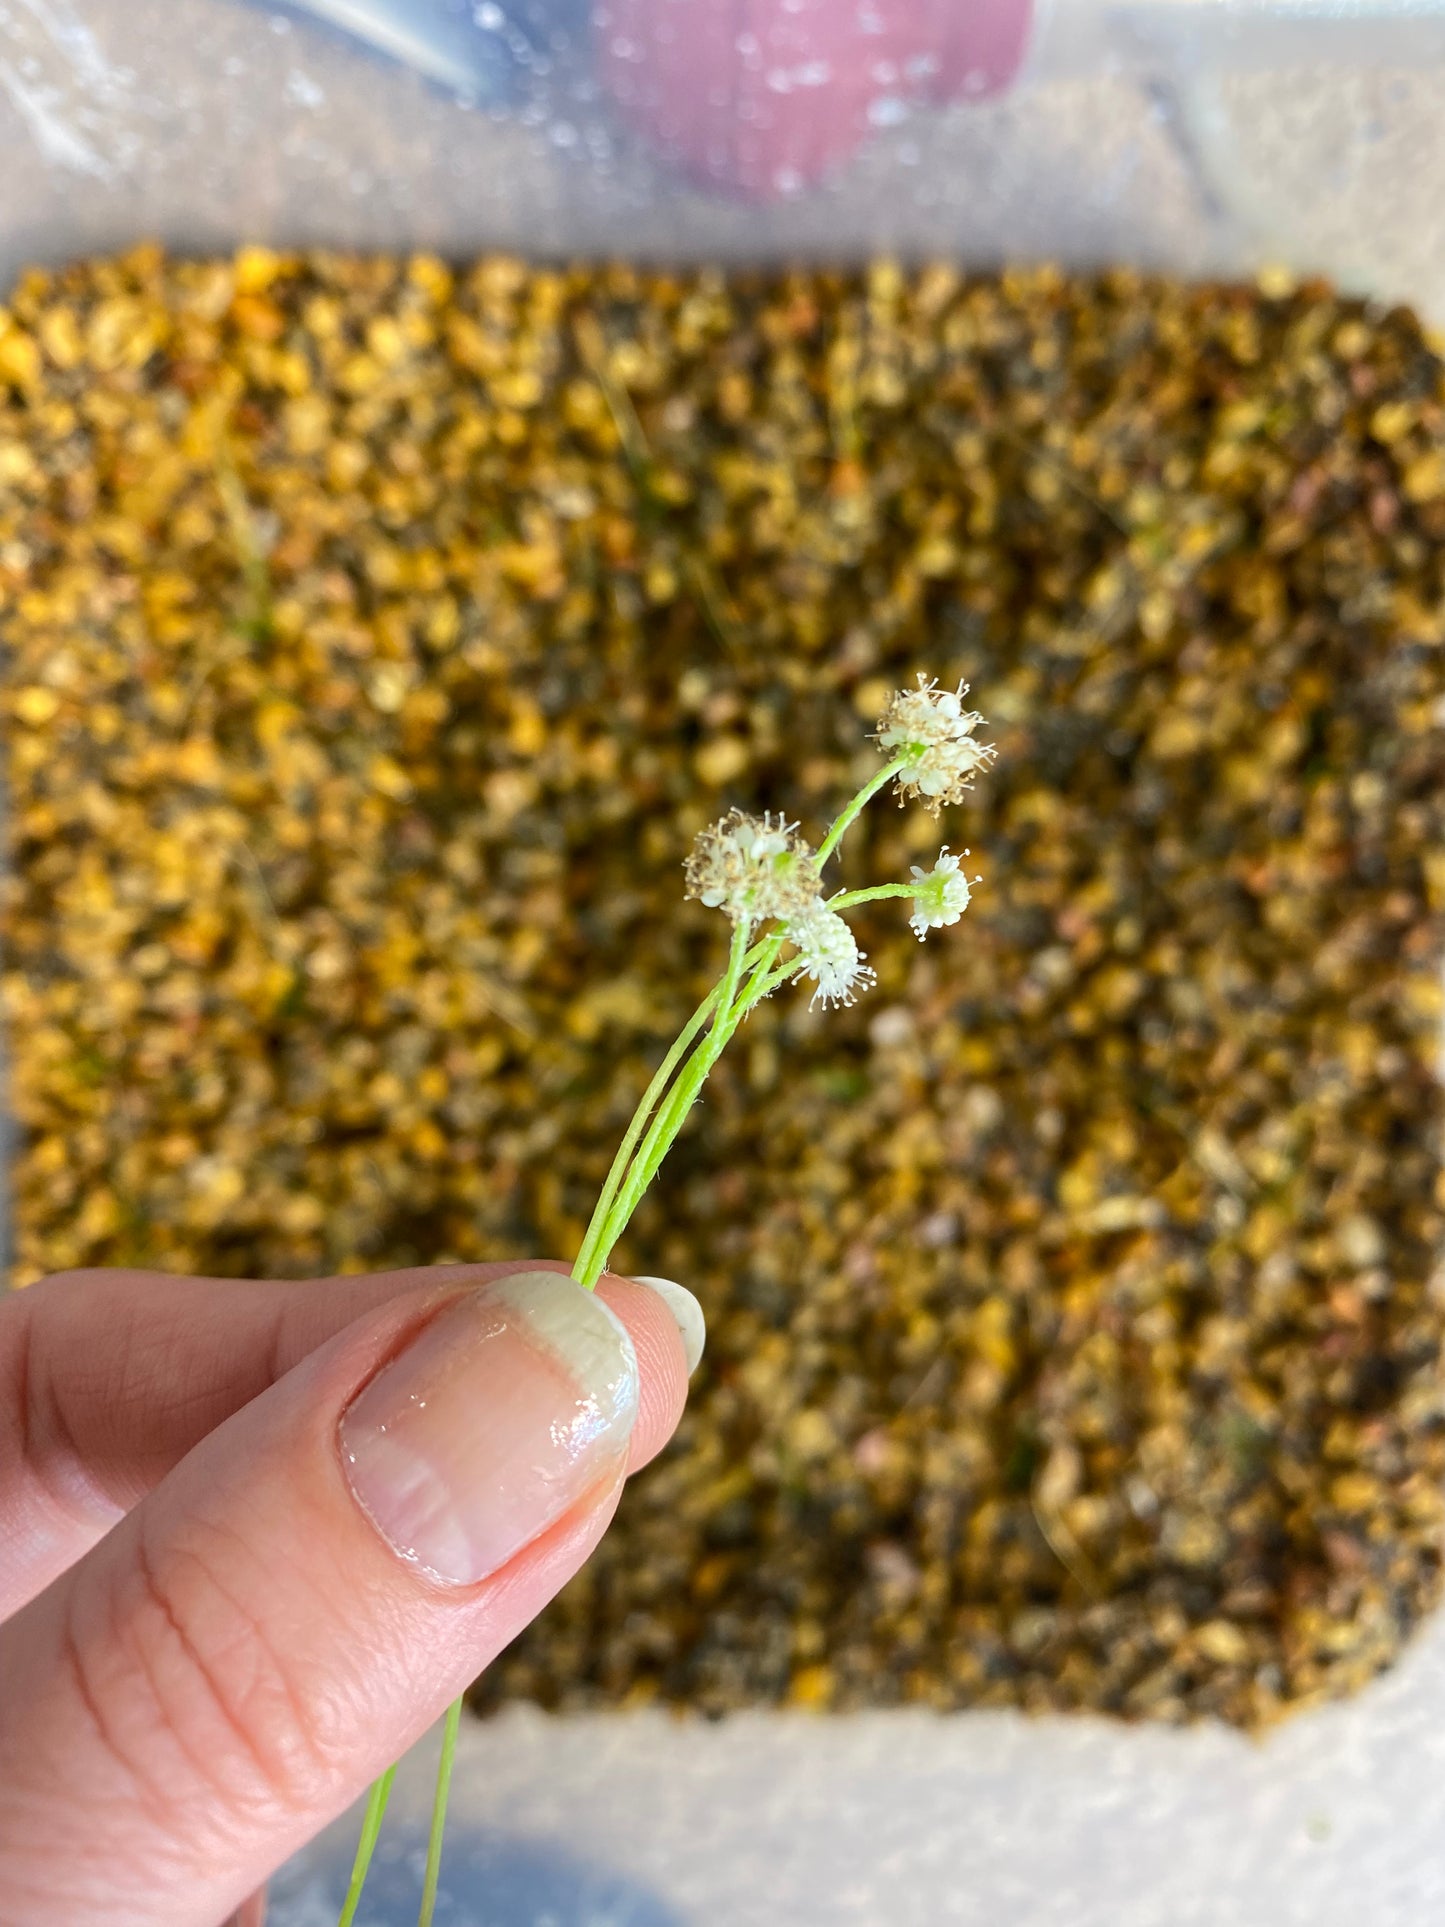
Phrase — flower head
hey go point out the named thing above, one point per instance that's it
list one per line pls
(830, 953)
(753, 867)
(940, 895)
(931, 727)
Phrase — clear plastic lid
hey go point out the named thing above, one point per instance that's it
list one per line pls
(1197, 136)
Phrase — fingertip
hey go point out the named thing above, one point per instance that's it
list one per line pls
(687, 1315)
(658, 1338)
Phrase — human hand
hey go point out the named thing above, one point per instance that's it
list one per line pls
(254, 1538)
(771, 109)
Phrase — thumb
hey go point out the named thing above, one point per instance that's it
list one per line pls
(301, 1596)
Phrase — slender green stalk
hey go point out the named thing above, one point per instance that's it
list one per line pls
(850, 811)
(376, 1799)
(685, 1092)
(732, 976)
(665, 1127)
(439, 1814)
(752, 992)
(585, 1270)
(763, 985)
(678, 1102)
(846, 899)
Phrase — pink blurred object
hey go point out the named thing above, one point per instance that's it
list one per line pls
(765, 96)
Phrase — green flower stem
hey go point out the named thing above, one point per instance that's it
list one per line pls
(686, 1090)
(439, 1814)
(732, 977)
(681, 1098)
(585, 1270)
(850, 811)
(846, 899)
(764, 986)
(376, 1799)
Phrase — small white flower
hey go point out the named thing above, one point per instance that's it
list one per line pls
(932, 727)
(753, 867)
(940, 895)
(831, 956)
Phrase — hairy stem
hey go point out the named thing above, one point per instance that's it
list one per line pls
(849, 813)
(683, 1094)
(587, 1270)
(846, 899)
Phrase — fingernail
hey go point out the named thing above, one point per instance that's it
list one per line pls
(687, 1313)
(493, 1422)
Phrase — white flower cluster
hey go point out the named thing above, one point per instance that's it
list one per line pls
(933, 729)
(830, 954)
(753, 868)
(940, 895)
(758, 869)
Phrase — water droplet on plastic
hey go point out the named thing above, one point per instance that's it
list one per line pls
(489, 16)
(302, 90)
(887, 111)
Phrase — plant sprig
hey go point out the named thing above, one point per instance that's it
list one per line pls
(769, 882)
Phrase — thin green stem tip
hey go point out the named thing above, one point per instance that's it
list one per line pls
(439, 1813)
(377, 1796)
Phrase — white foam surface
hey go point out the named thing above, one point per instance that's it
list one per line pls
(1335, 1820)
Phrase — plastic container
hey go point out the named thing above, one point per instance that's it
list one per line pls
(1198, 136)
